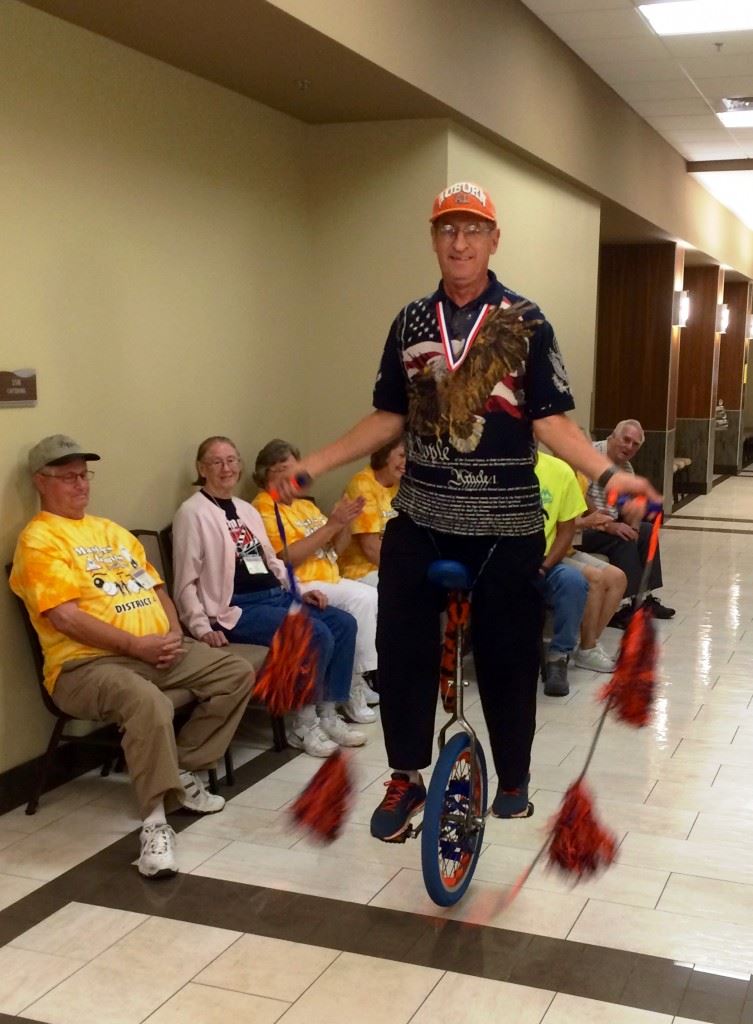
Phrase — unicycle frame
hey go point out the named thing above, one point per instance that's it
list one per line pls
(472, 821)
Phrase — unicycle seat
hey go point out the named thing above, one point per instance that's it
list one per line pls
(449, 575)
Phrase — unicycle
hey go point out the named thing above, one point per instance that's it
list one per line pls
(452, 829)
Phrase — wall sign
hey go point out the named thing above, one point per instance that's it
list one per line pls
(18, 387)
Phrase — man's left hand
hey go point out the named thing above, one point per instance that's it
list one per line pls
(315, 598)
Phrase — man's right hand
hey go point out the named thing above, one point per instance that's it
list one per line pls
(619, 529)
(161, 651)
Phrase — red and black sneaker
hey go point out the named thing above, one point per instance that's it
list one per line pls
(402, 800)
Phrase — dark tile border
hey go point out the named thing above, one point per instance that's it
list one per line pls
(616, 976)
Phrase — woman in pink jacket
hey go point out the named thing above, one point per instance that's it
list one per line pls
(230, 586)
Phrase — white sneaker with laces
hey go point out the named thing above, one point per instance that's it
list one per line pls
(196, 797)
(596, 659)
(339, 732)
(357, 708)
(312, 739)
(372, 697)
(157, 859)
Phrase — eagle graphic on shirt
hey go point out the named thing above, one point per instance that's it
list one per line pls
(452, 402)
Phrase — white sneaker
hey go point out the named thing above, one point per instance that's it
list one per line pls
(312, 739)
(339, 732)
(196, 797)
(356, 708)
(372, 697)
(596, 659)
(157, 859)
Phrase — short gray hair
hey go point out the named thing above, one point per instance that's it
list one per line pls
(273, 452)
(619, 429)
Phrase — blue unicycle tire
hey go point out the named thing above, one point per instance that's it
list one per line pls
(448, 853)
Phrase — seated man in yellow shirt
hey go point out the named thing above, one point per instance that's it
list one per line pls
(313, 543)
(112, 645)
(377, 484)
(581, 605)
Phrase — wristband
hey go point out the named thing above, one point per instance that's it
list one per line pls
(606, 476)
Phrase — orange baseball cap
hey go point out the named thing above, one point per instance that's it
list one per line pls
(463, 197)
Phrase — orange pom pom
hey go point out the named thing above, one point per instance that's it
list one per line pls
(287, 677)
(630, 692)
(323, 805)
(578, 843)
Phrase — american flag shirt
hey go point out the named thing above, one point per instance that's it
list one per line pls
(476, 478)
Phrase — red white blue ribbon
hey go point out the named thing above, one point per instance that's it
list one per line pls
(452, 361)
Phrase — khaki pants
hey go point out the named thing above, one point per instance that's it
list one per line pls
(130, 693)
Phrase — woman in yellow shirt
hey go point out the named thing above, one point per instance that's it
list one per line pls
(377, 485)
(313, 542)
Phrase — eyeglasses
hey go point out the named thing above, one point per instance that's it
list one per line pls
(232, 462)
(472, 232)
(71, 478)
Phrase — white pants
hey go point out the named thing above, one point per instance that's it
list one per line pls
(371, 578)
(361, 601)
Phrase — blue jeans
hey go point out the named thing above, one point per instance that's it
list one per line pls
(565, 589)
(262, 614)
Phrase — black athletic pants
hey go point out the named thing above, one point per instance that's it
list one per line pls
(507, 621)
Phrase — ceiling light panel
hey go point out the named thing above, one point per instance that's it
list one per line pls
(698, 17)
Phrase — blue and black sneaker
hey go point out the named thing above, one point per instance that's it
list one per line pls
(513, 803)
(391, 820)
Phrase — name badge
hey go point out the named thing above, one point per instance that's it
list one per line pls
(144, 580)
(253, 562)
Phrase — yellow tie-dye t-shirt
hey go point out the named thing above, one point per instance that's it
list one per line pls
(300, 519)
(377, 511)
(91, 561)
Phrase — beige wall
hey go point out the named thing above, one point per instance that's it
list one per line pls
(152, 268)
(371, 192)
(549, 250)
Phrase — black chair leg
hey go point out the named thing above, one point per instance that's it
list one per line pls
(213, 785)
(44, 765)
(279, 736)
(229, 768)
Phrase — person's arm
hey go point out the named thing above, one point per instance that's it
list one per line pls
(187, 565)
(69, 619)
(566, 440)
(372, 432)
(371, 545)
(563, 541)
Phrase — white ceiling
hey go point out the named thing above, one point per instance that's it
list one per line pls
(676, 83)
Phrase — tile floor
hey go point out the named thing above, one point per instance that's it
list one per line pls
(678, 794)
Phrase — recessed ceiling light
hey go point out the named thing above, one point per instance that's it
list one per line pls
(736, 118)
(692, 17)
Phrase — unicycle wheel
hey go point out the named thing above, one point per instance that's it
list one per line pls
(449, 848)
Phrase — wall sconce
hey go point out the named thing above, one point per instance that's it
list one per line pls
(722, 318)
(680, 309)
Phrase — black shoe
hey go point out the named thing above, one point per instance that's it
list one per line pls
(621, 617)
(402, 800)
(658, 610)
(556, 684)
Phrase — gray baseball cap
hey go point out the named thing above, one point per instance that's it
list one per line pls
(55, 448)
